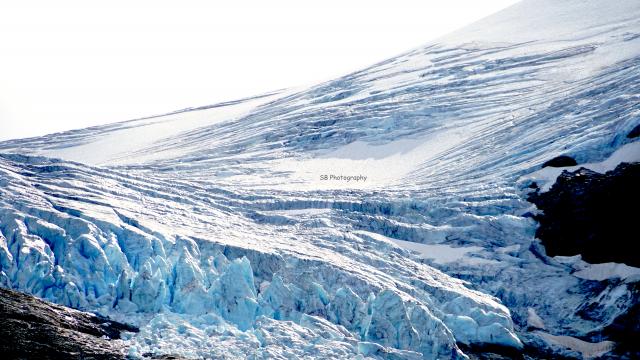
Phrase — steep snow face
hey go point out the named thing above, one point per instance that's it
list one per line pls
(549, 21)
(541, 67)
(310, 222)
(132, 141)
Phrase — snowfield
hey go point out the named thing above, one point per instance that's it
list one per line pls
(215, 230)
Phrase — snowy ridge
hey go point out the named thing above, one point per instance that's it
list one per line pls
(223, 210)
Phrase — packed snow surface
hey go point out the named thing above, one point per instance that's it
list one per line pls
(378, 215)
(606, 271)
(587, 349)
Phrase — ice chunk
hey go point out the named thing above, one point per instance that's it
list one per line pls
(279, 300)
(189, 292)
(234, 294)
(436, 340)
(347, 309)
(465, 328)
(149, 290)
(390, 325)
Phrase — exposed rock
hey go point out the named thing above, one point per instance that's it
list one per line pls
(634, 133)
(625, 329)
(592, 214)
(36, 329)
(560, 161)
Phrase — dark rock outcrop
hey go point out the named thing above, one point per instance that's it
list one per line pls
(634, 133)
(31, 328)
(625, 331)
(560, 161)
(592, 214)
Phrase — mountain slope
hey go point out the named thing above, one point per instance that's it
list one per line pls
(352, 208)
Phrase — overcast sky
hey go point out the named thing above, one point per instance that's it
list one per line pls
(70, 64)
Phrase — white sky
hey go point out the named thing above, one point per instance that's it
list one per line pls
(72, 64)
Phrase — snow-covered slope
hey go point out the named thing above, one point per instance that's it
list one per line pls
(337, 221)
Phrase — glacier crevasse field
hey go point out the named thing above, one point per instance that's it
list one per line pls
(214, 230)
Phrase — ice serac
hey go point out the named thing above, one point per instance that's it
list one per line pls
(221, 231)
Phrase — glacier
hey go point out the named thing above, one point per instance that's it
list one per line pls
(214, 231)
(69, 236)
